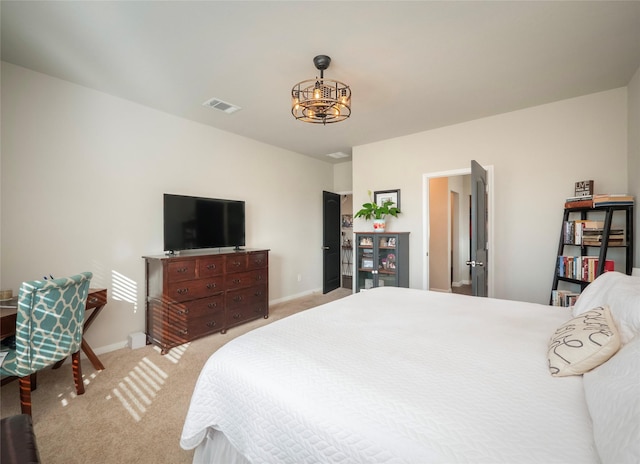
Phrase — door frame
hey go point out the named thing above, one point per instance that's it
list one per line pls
(426, 226)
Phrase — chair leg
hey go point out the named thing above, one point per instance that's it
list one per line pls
(77, 373)
(25, 394)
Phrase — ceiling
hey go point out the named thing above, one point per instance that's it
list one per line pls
(412, 66)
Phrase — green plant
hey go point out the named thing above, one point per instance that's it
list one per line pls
(371, 210)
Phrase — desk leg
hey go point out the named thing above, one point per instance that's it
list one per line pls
(97, 364)
(92, 356)
(85, 346)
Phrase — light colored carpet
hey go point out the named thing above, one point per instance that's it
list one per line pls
(133, 411)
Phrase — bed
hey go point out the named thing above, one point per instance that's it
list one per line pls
(394, 375)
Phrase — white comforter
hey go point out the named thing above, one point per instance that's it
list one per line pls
(396, 376)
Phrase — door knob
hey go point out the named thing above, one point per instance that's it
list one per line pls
(325, 247)
(475, 263)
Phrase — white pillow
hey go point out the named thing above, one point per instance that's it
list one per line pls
(583, 343)
(621, 293)
(612, 392)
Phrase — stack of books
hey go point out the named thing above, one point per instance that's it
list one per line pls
(612, 199)
(582, 268)
(593, 237)
(583, 201)
(563, 298)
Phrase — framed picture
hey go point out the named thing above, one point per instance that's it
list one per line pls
(381, 196)
(347, 221)
(367, 263)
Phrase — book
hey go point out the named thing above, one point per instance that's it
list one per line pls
(612, 198)
(604, 204)
(580, 197)
(579, 204)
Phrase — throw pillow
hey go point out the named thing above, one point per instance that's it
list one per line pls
(583, 343)
(621, 293)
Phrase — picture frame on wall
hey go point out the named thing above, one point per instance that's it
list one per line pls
(347, 221)
(381, 196)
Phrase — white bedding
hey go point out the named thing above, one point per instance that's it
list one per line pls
(396, 376)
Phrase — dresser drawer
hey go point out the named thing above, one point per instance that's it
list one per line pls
(236, 263)
(246, 296)
(201, 288)
(246, 279)
(197, 308)
(178, 271)
(239, 313)
(200, 326)
(210, 266)
(257, 260)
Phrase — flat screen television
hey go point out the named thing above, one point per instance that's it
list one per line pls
(195, 222)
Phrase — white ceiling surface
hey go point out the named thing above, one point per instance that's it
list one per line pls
(412, 66)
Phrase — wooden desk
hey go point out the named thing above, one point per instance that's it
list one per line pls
(96, 300)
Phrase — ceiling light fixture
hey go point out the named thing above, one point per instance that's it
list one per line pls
(321, 101)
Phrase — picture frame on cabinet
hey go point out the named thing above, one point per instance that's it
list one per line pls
(381, 196)
(367, 263)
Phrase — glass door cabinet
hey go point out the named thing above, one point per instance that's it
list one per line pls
(382, 259)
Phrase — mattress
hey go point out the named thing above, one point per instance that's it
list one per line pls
(395, 375)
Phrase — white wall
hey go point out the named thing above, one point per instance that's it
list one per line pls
(537, 153)
(83, 175)
(342, 177)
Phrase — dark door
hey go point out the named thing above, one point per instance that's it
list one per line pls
(478, 260)
(330, 241)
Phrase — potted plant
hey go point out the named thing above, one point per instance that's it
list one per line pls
(378, 213)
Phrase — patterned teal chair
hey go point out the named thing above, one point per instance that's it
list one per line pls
(48, 329)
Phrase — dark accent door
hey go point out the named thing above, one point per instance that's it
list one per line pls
(479, 253)
(330, 241)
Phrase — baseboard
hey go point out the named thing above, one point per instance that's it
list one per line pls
(441, 290)
(293, 297)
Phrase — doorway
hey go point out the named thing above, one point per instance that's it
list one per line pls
(447, 225)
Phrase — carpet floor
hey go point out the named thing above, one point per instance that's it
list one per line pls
(133, 411)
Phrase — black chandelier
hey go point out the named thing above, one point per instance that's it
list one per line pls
(321, 101)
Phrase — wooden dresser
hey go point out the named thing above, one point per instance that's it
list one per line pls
(192, 295)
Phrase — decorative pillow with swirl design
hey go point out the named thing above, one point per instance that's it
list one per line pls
(583, 343)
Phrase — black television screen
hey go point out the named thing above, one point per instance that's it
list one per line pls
(194, 222)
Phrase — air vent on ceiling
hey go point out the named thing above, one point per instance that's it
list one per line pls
(221, 105)
(338, 155)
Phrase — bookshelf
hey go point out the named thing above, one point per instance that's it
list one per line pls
(587, 237)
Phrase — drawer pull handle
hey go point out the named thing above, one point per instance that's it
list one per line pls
(236, 281)
(181, 270)
(236, 263)
(183, 291)
(259, 277)
(258, 293)
(93, 299)
(183, 332)
(212, 305)
(211, 266)
(236, 316)
(211, 324)
(210, 286)
(237, 298)
(183, 311)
